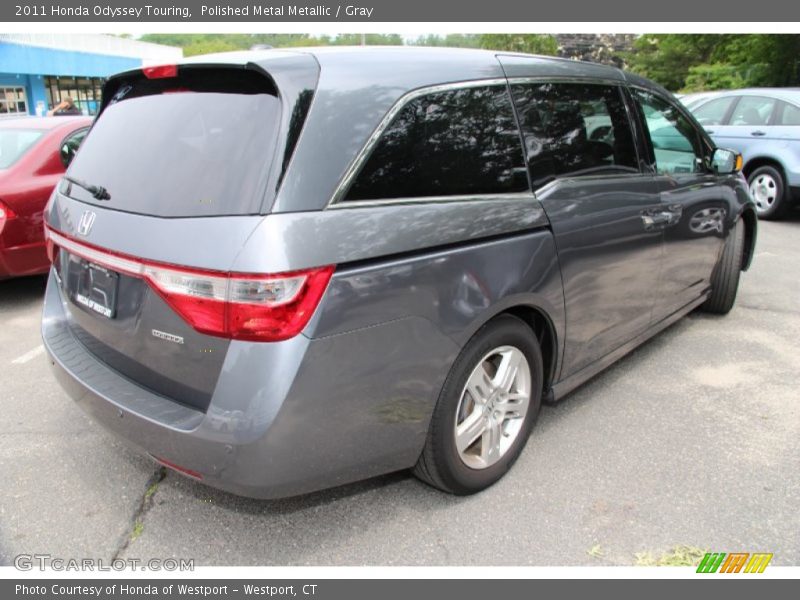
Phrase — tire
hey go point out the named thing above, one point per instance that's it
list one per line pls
(725, 279)
(506, 418)
(768, 189)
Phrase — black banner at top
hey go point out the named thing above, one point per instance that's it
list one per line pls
(387, 11)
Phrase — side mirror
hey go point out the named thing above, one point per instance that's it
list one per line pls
(67, 153)
(726, 162)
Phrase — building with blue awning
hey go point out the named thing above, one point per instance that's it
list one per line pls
(37, 71)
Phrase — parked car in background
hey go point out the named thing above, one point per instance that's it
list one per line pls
(34, 152)
(689, 100)
(327, 264)
(764, 125)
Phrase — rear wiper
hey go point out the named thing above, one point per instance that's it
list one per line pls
(98, 192)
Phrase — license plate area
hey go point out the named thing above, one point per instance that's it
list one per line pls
(92, 287)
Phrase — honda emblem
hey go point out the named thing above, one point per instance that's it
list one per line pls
(86, 222)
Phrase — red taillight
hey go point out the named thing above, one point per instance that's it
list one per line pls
(160, 71)
(5, 214)
(241, 306)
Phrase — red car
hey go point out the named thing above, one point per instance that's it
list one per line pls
(34, 153)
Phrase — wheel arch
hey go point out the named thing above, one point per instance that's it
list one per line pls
(750, 233)
(542, 327)
(541, 324)
(763, 160)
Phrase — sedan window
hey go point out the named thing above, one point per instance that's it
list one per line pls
(713, 112)
(753, 110)
(790, 115)
(14, 143)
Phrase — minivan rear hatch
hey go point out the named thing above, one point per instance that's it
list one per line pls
(173, 176)
(188, 141)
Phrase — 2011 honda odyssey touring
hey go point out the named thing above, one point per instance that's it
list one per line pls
(279, 271)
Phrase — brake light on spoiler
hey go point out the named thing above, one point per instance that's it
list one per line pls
(240, 306)
(160, 71)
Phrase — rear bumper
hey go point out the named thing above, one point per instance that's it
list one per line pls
(285, 418)
(18, 261)
(22, 247)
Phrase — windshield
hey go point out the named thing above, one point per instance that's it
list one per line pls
(180, 152)
(14, 143)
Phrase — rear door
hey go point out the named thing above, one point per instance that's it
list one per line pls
(787, 122)
(693, 212)
(584, 166)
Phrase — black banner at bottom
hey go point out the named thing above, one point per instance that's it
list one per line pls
(385, 589)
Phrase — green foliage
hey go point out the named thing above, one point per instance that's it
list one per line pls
(194, 44)
(678, 556)
(714, 77)
(693, 62)
(451, 40)
(520, 42)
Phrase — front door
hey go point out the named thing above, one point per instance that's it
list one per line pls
(585, 171)
(693, 208)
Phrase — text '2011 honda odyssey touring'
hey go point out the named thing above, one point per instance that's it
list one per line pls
(279, 271)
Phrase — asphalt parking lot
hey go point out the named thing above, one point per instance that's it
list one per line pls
(692, 440)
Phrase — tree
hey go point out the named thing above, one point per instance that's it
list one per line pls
(520, 42)
(690, 62)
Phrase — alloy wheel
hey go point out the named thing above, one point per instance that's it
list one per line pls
(492, 407)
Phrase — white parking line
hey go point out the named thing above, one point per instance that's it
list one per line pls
(30, 355)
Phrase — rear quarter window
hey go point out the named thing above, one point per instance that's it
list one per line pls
(449, 143)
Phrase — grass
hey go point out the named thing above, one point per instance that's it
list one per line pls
(138, 529)
(150, 491)
(596, 551)
(678, 556)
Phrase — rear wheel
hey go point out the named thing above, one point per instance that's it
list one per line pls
(486, 410)
(725, 280)
(768, 191)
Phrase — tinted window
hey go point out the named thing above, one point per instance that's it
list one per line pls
(752, 110)
(790, 115)
(14, 143)
(675, 141)
(456, 142)
(574, 129)
(70, 146)
(195, 145)
(713, 112)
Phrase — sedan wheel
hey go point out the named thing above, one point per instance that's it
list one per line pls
(765, 191)
(768, 191)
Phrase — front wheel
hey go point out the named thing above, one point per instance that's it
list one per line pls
(486, 410)
(725, 279)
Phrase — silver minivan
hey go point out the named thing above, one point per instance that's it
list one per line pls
(279, 271)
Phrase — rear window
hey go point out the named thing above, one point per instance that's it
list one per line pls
(14, 143)
(199, 144)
